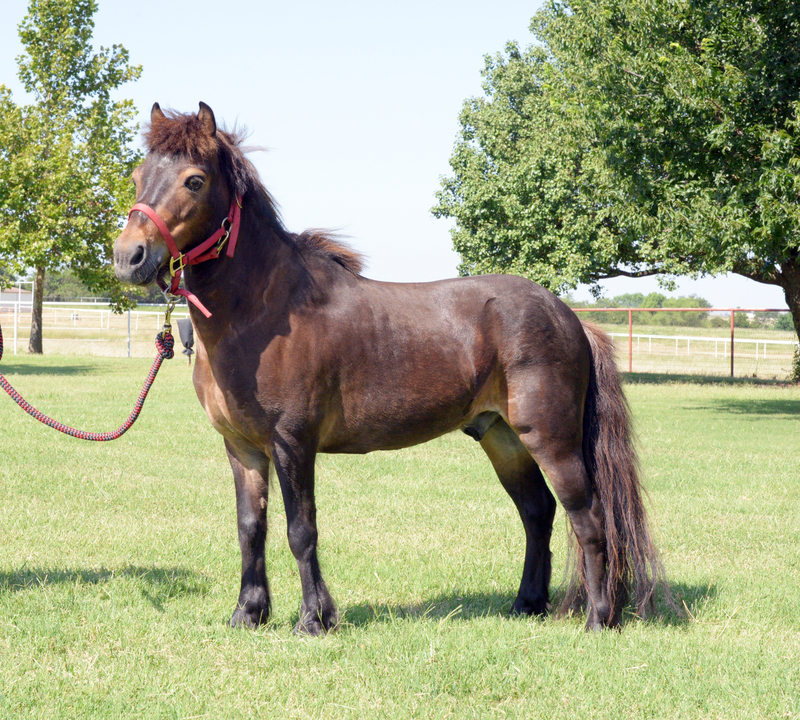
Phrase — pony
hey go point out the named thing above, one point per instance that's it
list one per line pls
(297, 353)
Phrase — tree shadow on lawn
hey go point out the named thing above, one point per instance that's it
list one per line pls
(157, 585)
(690, 599)
(771, 407)
(645, 378)
(11, 369)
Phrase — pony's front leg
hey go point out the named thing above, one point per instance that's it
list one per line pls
(294, 463)
(250, 474)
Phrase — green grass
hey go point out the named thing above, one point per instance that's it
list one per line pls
(120, 569)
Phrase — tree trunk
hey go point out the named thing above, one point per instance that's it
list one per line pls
(35, 342)
(791, 289)
(790, 276)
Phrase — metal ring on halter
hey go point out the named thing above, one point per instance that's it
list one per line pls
(227, 231)
(172, 300)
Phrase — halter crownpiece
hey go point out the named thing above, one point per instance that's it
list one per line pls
(207, 250)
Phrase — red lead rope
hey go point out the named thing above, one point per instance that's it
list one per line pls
(164, 344)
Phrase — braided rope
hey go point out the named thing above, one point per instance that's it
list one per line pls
(164, 344)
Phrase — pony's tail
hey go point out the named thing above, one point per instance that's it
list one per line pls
(634, 570)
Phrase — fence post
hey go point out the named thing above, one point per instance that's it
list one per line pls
(16, 324)
(129, 332)
(732, 342)
(630, 340)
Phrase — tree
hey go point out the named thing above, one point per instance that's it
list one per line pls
(640, 137)
(64, 286)
(65, 160)
(6, 278)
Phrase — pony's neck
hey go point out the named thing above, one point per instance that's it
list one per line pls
(260, 273)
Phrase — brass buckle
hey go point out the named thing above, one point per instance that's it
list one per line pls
(181, 264)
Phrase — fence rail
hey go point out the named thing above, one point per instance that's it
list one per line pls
(720, 344)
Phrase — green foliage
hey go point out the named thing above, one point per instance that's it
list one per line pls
(784, 322)
(740, 320)
(520, 190)
(66, 285)
(65, 159)
(637, 137)
(633, 300)
(652, 300)
(6, 278)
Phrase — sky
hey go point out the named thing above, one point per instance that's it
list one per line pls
(356, 105)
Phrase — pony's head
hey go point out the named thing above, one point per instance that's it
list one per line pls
(184, 189)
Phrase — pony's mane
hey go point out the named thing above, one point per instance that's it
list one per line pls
(183, 134)
(318, 242)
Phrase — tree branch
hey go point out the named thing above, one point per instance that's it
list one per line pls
(634, 274)
(771, 276)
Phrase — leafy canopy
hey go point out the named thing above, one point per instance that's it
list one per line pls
(65, 159)
(637, 137)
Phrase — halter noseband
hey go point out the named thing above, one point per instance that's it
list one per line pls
(207, 250)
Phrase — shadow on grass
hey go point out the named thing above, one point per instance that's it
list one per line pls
(157, 585)
(771, 407)
(690, 599)
(643, 378)
(10, 369)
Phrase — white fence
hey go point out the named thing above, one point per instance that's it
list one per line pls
(69, 328)
(721, 345)
(707, 355)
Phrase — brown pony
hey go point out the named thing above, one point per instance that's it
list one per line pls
(300, 354)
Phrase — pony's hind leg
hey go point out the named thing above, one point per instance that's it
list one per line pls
(567, 474)
(524, 482)
(250, 474)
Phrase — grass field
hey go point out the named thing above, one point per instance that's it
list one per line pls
(120, 569)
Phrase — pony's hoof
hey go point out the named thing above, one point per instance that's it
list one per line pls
(248, 618)
(527, 608)
(313, 625)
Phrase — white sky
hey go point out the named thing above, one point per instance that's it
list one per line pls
(358, 103)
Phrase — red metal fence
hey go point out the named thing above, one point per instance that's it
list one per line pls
(791, 344)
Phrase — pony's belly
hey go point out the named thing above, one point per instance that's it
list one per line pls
(401, 428)
(385, 438)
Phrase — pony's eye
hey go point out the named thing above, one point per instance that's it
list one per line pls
(194, 183)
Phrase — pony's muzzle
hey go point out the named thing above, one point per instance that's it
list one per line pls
(135, 262)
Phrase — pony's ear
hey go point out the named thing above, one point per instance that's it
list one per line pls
(156, 113)
(206, 118)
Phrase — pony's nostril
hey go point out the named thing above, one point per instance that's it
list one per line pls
(138, 256)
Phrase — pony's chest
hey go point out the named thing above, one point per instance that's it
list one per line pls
(230, 404)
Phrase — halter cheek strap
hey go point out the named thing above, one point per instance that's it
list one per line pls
(207, 250)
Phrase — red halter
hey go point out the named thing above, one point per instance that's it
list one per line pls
(228, 232)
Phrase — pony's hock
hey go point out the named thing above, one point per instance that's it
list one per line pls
(298, 353)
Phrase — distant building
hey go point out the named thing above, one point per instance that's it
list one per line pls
(15, 294)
